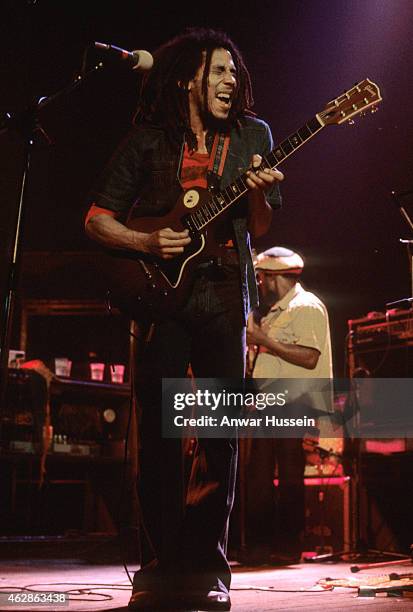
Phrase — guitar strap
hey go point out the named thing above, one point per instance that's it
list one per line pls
(217, 158)
(216, 165)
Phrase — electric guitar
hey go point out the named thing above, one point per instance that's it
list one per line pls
(149, 286)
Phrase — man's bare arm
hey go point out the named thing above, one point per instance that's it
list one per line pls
(109, 232)
(259, 210)
(303, 356)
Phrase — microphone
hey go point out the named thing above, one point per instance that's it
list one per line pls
(141, 60)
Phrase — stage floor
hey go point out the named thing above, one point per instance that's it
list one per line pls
(106, 587)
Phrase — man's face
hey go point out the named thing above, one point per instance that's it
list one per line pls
(267, 286)
(222, 83)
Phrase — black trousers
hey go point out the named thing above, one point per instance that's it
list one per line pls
(186, 523)
(275, 516)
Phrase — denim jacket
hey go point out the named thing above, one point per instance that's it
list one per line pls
(143, 176)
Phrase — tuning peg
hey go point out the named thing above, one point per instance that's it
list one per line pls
(374, 109)
(351, 122)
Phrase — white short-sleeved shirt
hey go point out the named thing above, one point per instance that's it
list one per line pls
(301, 318)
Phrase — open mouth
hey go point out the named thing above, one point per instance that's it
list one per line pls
(225, 99)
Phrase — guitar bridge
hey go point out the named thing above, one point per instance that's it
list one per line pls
(155, 289)
(146, 270)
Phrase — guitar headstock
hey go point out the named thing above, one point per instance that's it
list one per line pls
(355, 101)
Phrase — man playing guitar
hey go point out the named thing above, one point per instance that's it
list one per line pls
(193, 129)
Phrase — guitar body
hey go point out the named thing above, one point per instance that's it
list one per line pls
(143, 286)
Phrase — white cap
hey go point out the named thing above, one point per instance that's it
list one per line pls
(281, 260)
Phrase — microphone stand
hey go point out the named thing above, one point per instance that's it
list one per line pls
(27, 124)
(397, 197)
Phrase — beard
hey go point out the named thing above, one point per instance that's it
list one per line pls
(267, 300)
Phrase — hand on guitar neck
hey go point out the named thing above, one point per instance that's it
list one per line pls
(259, 181)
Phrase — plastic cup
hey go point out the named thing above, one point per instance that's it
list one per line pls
(117, 373)
(97, 371)
(62, 366)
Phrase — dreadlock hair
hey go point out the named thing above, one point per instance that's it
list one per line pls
(164, 89)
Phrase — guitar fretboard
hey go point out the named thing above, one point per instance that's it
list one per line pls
(219, 202)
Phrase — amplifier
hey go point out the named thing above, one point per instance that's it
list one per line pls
(386, 501)
(381, 344)
(86, 417)
(379, 329)
(327, 522)
(327, 515)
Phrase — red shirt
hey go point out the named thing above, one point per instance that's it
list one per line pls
(194, 169)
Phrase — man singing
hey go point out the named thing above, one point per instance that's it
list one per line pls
(193, 129)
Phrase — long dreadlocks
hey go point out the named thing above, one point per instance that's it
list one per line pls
(164, 90)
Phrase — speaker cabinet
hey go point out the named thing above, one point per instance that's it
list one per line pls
(327, 514)
(386, 501)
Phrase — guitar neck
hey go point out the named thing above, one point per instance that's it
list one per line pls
(220, 202)
(292, 143)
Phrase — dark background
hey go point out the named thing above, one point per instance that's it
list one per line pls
(338, 210)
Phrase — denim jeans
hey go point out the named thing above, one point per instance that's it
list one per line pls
(186, 519)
